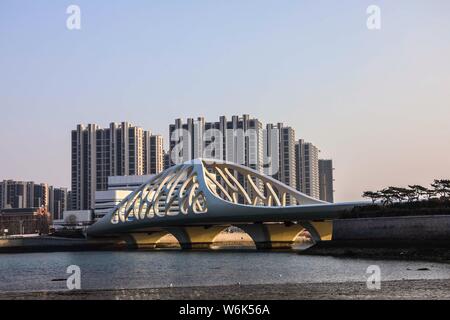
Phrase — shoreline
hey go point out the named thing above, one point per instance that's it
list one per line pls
(383, 250)
(390, 290)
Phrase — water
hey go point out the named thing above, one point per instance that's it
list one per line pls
(127, 270)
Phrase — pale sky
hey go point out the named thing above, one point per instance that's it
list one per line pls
(376, 102)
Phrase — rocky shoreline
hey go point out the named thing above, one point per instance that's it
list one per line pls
(390, 290)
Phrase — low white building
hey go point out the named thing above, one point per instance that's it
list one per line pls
(119, 187)
(127, 182)
(105, 201)
(74, 218)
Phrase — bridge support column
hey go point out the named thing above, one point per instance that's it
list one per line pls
(196, 238)
(146, 240)
(272, 236)
(259, 234)
(319, 230)
(283, 236)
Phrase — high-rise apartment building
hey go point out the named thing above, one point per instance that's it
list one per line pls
(69, 201)
(15, 194)
(58, 200)
(239, 140)
(27, 194)
(186, 140)
(23, 194)
(280, 142)
(326, 180)
(167, 162)
(153, 153)
(119, 150)
(39, 193)
(307, 167)
(272, 150)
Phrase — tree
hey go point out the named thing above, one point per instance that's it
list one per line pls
(442, 188)
(408, 194)
(431, 193)
(420, 191)
(445, 187)
(399, 194)
(388, 194)
(374, 196)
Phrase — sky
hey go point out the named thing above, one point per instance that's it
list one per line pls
(375, 101)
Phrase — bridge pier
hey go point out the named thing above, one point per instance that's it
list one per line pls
(319, 230)
(270, 236)
(196, 238)
(283, 236)
(146, 240)
(259, 234)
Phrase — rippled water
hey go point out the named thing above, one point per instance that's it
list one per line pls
(126, 270)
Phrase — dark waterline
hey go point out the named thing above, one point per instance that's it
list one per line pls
(132, 270)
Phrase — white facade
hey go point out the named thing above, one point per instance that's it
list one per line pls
(77, 216)
(127, 182)
(105, 201)
(119, 187)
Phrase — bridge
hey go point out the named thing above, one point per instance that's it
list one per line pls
(198, 199)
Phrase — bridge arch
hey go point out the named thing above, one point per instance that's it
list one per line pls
(233, 237)
(265, 236)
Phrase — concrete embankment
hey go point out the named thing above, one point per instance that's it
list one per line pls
(412, 238)
(51, 244)
(417, 228)
(438, 251)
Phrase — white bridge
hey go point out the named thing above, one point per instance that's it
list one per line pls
(196, 200)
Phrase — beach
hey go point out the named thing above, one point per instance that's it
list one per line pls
(390, 290)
